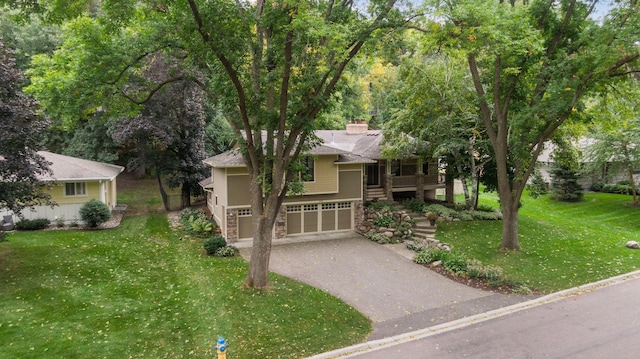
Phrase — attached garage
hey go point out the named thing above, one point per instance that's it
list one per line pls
(319, 217)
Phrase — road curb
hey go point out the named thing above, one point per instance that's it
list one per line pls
(374, 345)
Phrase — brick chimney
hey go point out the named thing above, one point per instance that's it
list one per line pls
(357, 128)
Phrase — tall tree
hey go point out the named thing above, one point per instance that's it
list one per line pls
(616, 134)
(439, 107)
(280, 63)
(20, 137)
(272, 66)
(531, 64)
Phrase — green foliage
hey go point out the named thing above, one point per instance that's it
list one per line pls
(537, 187)
(617, 188)
(94, 213)
(384, 221)
(380, 238)
(596, 186)
(226, 251)
(430, 255)
(378, 206)
(564, 184)
(32, 224)
(213, 244)
(486, 216)
(195, 222)
(162, 285)
(455, 262)
(414, 205)
(60, 222)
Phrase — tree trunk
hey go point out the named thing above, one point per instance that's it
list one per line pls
(264, 212)
(449, 185)
(510, 227)
(185, 195)
(633, 186)
(163, 193)
(258, 276)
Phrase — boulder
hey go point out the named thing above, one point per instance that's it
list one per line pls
(633, 245)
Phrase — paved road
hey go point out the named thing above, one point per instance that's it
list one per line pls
(600, 321)
(398, 295)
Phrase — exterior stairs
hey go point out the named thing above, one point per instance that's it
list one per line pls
(376, 194)
(424, 230)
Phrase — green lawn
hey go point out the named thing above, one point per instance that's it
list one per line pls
(139, 292)
(563, 244)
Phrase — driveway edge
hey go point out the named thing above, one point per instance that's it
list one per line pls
(362, 348)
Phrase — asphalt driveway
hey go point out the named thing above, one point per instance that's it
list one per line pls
(395, 293)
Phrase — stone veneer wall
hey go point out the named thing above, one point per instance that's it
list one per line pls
(358, 214)
(232, 226)
(281, 222)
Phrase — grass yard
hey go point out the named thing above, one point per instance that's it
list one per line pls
(137, 291)
(563, 244)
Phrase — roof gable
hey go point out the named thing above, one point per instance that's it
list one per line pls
(67, 168)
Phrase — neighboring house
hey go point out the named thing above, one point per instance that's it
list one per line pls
(546, 161)
(346, 170)
(74, 181)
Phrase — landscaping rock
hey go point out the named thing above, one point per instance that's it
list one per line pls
(388, 234)
(436, 264)
(633, 245)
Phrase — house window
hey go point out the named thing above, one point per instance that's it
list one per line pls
(75, 189)
(244, 212)
(343, 205)
(294, 209)
(308, 174)
(328, 206)
(310, 207)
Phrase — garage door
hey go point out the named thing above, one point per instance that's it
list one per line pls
(245, 224)
(314, 218)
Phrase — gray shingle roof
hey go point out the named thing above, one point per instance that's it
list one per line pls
(350, 148)
(66, 168)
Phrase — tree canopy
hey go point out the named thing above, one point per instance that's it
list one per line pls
(22, 130)
(532, 64)
(270, 67)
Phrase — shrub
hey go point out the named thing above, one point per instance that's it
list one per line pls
(414, 205)
(379, 237)
(484, 208)
(456, 263)
(195, 222)
(60, 222)
(3, 236)
(596, 186)
(378, 206)
(474, 268)
(188, 213)
(492, 273)
(537, 187)
(486, 216)
(383, 221)
(94, 213)
(32, 224)
(212, 244)
(226, 251)
(430, 255)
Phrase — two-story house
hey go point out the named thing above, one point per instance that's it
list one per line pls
(346, 170)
